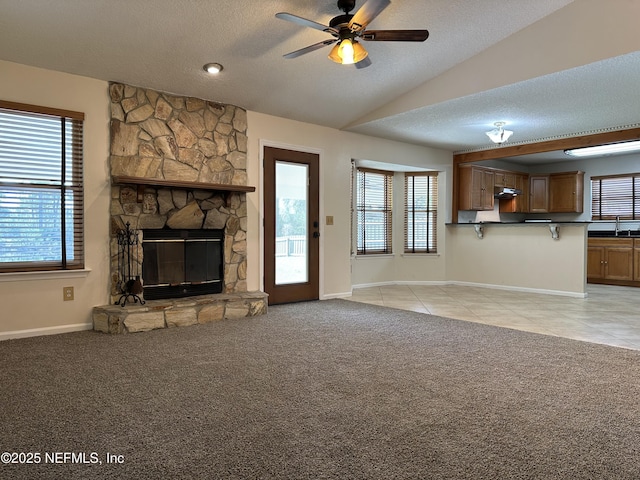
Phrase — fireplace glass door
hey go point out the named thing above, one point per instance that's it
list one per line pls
(178, 263)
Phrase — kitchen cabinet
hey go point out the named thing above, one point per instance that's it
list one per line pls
(504, 179)
(636, 259)
(476, 188)
(556, 193)
(539, 194)
(519, 203)
(611, 259)
(566, 192)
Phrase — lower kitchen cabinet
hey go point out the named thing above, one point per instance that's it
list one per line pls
(636, 259)
(611, 259)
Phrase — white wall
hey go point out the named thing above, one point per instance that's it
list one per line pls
(34, 301)
(337, 149)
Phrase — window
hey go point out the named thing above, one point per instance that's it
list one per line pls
(41, 190)
(374, 190)
(615, 196)
(421, 212)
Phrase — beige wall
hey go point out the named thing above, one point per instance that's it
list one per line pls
(336, 150)
(519, 257)
(35, 301)
(32, 303)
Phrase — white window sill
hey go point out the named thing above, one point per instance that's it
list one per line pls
(374, 256)
(49, 275)
(419, 254)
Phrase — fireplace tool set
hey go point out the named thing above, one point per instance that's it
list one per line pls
(129, 284)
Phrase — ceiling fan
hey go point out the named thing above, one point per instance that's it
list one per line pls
(348, 28)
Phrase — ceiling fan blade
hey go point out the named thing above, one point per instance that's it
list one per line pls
(364, 63)
(366, 13)
(310, 48)
(395, 35)
(305, 23)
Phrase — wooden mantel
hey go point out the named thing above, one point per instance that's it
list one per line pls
(161, 182)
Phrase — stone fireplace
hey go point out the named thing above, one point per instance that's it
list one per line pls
(178, 164)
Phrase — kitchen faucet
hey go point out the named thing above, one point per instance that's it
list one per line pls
(617, 224)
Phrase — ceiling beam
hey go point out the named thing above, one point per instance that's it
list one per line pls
(548, 146)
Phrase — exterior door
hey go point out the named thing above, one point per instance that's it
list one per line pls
(291, 225)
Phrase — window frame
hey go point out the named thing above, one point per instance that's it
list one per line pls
(431, 211)
(385, 208)
(617, 201)
(70, 187)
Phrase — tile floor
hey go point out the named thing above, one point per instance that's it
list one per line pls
(609, 315)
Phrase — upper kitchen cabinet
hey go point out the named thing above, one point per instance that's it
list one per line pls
(566, 192)
(556, 193)
(519, 203)
(476, 188)
(539, 193)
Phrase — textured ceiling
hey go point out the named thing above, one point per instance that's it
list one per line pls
(163, 44)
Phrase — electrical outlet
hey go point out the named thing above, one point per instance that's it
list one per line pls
(67, 293)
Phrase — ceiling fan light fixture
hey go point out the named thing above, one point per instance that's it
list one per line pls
(348, 52)
(499, 134)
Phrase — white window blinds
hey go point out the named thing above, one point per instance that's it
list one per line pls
(615, 196)
(421, 213)
(374, 211)
(41, 188)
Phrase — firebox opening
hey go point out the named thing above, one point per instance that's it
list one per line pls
(181, 263)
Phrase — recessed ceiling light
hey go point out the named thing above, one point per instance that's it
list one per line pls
(212, 68)
(609, 149)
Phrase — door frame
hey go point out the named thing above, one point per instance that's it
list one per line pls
(298, 148)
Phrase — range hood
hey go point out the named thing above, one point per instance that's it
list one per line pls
(506, 192)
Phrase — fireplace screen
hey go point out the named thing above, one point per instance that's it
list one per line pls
(179, 263)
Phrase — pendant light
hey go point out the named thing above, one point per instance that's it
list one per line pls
(499, 134)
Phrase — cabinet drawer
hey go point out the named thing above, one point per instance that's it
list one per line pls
(613, 242)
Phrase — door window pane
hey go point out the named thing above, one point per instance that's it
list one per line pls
(291, 223)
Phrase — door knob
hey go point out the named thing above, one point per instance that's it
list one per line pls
(316, 234)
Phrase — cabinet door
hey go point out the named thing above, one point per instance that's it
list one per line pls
(595, 263)
(521, 202)
(539, 194)
(636, 264)
(476, 189)
(619, 263)
(487, 192)
(566, 192)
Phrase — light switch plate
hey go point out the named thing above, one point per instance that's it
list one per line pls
(329, 220)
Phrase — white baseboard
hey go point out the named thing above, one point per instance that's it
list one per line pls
(36, 332)
(336, 295)
(479, 285)
(542, 291)
(384, 284)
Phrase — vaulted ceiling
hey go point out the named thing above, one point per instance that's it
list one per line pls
(549, 68)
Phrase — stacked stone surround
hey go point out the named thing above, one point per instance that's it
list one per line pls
(159, 136)
(178, 313)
